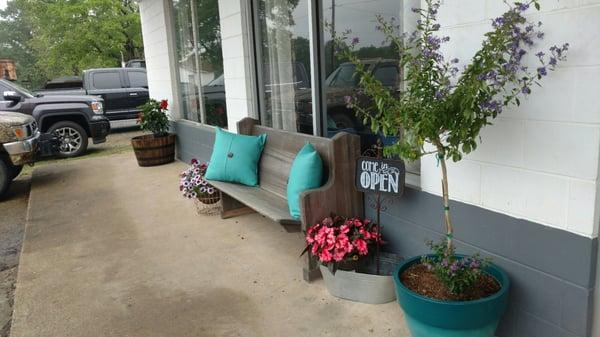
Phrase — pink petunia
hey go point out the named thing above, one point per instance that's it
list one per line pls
(339, 254)
(325, 256)
(361, 246)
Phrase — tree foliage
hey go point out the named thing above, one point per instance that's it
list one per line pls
(49, 38)
(442, 105)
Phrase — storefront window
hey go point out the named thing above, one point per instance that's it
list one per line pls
(284, 63)
(200, 61)
(380, 57)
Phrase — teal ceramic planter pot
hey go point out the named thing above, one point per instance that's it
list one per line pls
(427, 317)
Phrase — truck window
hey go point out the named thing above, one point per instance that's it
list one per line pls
(137, 79)
(106, 80)
(387, 75)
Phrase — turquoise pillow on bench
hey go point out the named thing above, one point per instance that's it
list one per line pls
(306, 173)
(235, 158)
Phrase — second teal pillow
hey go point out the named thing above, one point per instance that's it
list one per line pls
(235, 158)
(306, 173)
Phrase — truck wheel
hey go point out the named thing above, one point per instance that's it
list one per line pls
(15, 171)
(4, 177)
(343, 121)
(72, 139)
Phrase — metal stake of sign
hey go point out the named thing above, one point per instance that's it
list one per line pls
(379, 176)
(379, 147)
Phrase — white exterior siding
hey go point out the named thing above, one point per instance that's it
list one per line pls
(159, 52)
(538, 161)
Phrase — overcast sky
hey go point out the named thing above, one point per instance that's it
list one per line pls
(2, 4)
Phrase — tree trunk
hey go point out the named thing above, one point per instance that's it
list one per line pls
(446, 200)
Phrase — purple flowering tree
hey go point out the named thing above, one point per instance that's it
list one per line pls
(440, 104)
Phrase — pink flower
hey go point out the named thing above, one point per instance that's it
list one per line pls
(357, 222)
(344, 229)
(365, 234)
(315, 250)
(341, 241)
(339, 254)
(361, 246)
(194, 161)
(325, 256)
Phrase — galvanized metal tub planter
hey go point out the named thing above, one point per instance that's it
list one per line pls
(427, 317)
(364, 285)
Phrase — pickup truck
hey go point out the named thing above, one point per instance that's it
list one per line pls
(19, 137)
(73, 119)
(122, 89)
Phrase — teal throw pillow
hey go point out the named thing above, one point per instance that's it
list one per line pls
(235, 158)
(306, 173)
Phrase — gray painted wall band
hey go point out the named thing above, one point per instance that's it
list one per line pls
(552, 271)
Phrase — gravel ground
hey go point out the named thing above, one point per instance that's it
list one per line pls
(13, 212)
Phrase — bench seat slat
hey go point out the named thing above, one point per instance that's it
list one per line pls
(268, 204)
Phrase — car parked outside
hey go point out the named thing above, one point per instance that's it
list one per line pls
(73, 119)
(123, 90)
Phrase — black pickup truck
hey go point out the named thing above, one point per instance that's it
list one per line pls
(73, 119)
(122, 89)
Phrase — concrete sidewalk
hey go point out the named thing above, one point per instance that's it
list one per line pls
(112, 249)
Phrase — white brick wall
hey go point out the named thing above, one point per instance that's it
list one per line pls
(538, 161)
(157, 49)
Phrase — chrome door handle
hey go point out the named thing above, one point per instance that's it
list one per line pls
(133, 94)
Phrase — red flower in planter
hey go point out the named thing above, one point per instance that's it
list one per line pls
(164, 104)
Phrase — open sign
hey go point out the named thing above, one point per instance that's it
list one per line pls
(380, 175)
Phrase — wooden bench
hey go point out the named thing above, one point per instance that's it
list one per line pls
(337, 194)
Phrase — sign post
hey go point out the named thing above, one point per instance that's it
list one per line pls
(379, 176)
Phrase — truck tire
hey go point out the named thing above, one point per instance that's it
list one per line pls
(4, 177)
(72, 139)
(14, 171)
(343, 121)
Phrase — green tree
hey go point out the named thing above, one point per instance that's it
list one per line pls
(65, 37)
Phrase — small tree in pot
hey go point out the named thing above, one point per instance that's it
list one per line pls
(441, 111)
(159, 147)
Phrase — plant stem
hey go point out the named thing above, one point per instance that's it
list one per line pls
(446, 198)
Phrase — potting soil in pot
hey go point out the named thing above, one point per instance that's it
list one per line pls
(424, 282)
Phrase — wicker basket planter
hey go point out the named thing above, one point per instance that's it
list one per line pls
(152, 151)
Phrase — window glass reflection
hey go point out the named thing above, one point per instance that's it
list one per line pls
(378, 55)
(284, 52)
(200, 61)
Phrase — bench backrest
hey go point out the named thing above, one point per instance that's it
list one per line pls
(279, 153)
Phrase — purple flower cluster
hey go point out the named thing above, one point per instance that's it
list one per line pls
(521, 35)
(192, 183)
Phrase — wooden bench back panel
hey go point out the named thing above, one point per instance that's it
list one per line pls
(280, 150)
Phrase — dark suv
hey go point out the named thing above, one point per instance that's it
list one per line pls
(73, 119)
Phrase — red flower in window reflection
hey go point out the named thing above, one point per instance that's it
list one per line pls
(164, 104)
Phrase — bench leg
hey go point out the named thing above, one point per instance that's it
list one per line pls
(233, 208)
(311, 270)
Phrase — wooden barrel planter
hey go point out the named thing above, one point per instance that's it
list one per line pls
(152, 151)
